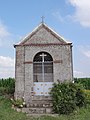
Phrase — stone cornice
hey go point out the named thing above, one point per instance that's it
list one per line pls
(44, 44)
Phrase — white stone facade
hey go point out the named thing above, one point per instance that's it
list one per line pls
(41, 39)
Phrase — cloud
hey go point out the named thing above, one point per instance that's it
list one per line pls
(6, 61)
(3, 30)
(85, 50)
(7, 39)
(58, 15)
(6, 72)
(87, 53)
(78, 74)
(82, 11)
(81, 62)
(81, 74)
(6, 67)
(4, 34)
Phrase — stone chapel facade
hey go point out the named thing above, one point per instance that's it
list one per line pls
(42, 58)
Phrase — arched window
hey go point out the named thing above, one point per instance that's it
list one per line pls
(43, 67)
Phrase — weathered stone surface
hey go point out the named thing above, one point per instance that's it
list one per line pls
(41, 39)
(48, 110)
(37, 110)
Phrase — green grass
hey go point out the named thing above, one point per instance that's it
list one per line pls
(6, 113)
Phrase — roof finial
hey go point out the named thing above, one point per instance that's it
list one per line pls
(42, 19)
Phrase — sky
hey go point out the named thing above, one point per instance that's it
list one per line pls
(69, 18)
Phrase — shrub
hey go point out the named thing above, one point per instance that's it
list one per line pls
(87, 93)
(2, 91)
(7, 86)
(66, 97)
(83, 81)
(18, 103)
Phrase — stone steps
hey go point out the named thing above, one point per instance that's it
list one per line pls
(39, 107)
(37, 110)
(45, 98)
(45, 104)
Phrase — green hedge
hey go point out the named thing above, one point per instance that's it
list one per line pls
(7, 86)
(87, 93)
(84, 81)
(67, 97)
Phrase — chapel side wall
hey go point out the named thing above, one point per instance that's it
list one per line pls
(67, 70)
(19, 72)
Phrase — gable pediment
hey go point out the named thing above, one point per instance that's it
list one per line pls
(43, 35)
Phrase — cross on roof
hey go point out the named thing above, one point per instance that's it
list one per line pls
(42, 19)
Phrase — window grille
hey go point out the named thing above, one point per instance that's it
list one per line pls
(43, 67)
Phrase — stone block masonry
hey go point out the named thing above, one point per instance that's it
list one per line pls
(41, 40)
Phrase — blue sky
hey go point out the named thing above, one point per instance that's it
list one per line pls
(69, 18)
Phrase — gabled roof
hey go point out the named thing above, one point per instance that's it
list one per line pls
(42, 25)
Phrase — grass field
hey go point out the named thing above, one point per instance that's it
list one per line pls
(6, 113)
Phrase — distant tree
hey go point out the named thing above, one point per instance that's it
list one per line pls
(7, 86)
(84, 81)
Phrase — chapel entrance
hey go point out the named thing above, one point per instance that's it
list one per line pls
(42, 73)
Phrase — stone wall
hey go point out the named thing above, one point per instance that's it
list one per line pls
(42, 40)
(62, 65)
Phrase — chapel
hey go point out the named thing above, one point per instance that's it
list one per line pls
(43, 57)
